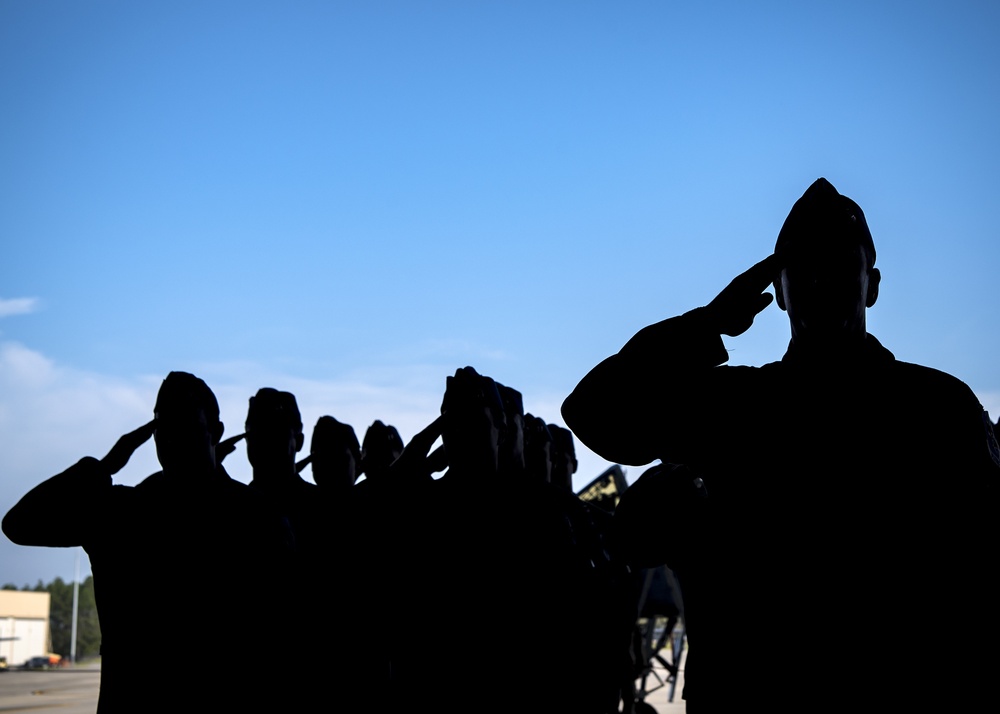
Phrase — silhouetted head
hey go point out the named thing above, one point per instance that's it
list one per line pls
(273, 433)
(381, 447)
(537, 448)
(828, 276)
(511, 456)
(563, 455)
(187, 424)
(336, 454)
(473, 423)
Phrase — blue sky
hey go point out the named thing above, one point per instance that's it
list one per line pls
(350, 200)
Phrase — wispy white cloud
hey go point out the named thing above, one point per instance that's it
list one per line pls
(51, 414)
(18, 306)
(454, 349)
(50, 417)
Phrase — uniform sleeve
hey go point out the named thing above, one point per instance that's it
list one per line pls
(60, 511)
(621, 407)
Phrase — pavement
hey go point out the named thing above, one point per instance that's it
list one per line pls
(66, 690)
(74, 690)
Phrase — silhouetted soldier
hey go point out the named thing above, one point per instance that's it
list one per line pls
(382, 445)
(540, 566)
(273, 438)
(604, 594)
(379, 521)
(185, 557)
(537, 449)
(501, 574)
(335, 455)
(511, 458)
(839, 480)
(563, 457)
(476, 601)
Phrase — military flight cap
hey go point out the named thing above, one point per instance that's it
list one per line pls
(275, 407)
(822, 216)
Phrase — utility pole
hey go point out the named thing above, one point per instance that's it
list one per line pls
(76, 604)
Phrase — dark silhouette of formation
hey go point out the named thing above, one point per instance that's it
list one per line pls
(836, 497)
(836, 507)
(439, 568)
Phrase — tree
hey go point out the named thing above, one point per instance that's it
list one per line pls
(60, 615)
(88, 629)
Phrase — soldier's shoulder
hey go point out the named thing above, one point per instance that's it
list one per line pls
(933, 380)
